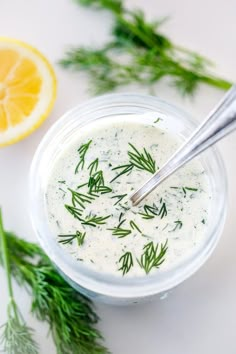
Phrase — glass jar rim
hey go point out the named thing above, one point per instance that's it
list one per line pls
(106, 284)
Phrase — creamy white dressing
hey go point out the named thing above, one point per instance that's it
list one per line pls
(187, 204)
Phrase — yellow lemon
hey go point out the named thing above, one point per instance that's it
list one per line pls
(27, 90)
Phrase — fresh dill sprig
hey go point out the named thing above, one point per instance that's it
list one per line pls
(77, 213)
(119, 231)
(119, 197)
(178, 225)
(140, 160)
(69, 314)
(96, 183)
(80, 198)
(124, 170)
(163, 211)
(93, 166)
(16, 337)
(79, 236)
(89, 220)
(95, 220)
(152, 257)
(149, 55)
(126, 261)
(149, 211)
(103, 190)
(82, 152)
(134, 226)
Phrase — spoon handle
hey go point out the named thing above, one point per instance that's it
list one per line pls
(219, 123)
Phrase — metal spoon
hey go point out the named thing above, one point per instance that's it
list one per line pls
(219, 123)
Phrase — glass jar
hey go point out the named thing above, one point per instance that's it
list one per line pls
(104, 287)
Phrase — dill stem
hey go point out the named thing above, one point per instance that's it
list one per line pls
(208, 79)
(6, 265)
(217, 82)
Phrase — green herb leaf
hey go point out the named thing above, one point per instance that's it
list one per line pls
(80, 198)
(96, 183)
(152, 257)
(16, 337)
(149, 211)
(191, 189)
(77, 213)
(157, 120)
(149, 55)
(185, 189)
(125, 170)
(82, 152)
(95, 220)
(134, 226)
(93, 166)
(69, 314)
(142, 161)
(126, 261)
(163, 211)
(79, 236)
(112, 5)
(178, 225)
(119, 231)
(119, 198)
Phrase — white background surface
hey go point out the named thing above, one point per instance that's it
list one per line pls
(200, 316)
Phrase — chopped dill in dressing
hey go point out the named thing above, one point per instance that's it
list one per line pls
(88, 204)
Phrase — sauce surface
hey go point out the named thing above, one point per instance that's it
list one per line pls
(88, 205)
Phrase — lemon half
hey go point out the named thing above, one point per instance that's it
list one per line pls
(27, 90)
